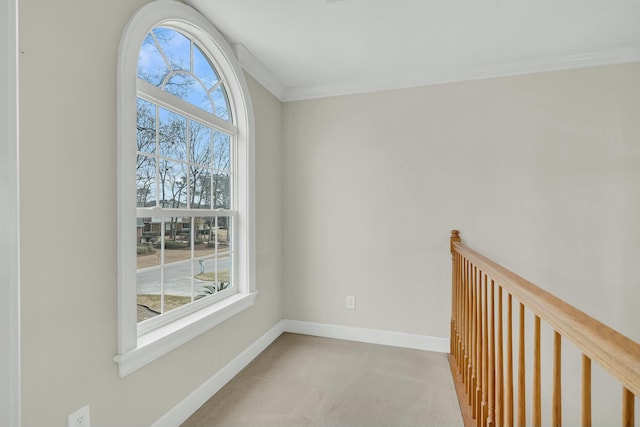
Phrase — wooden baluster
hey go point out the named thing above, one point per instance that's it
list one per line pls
(585, 417)
(472, 343)
(556, 406)
(459, 323)
(452, 326)
(470, 310)
(492, 362)
(627, 408)
(454, 305)
(536, 414)
(457, 306)
(508, 416)
(485, 355)
(456, 344)
(467, 329)
(455, 237)
(522, 406)
(479, 351)
(465, 316)
(500, 368)
(462, 313)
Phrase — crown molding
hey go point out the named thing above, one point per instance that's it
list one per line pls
(258, 71)
(557, 61)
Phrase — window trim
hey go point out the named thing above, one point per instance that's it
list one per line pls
(10, 320)
(134, 350)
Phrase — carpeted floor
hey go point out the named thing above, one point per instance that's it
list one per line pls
(301, 380)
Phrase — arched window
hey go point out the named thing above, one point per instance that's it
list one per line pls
(185, 177)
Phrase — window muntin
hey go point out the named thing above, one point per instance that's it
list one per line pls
(184, 180)
(176, 64)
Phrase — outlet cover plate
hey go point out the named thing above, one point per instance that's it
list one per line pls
(351, 302)
(80, 418)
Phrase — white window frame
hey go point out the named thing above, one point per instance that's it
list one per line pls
(137, 347)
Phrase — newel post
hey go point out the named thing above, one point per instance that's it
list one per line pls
(455, 237)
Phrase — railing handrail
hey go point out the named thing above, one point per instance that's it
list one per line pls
(616, 353)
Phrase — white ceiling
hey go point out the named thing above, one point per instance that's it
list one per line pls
(312, 48)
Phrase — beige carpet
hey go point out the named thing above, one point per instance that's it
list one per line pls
(301, 380)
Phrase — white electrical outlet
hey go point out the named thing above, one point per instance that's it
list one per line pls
(80, 418)
(351, 302)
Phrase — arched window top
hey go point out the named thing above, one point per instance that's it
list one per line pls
(175, 63)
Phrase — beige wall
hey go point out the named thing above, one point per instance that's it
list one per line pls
(540, 172)
(68, 192)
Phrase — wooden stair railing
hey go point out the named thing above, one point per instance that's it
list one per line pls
(482, 364)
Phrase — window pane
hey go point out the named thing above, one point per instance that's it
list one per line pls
(178, 276)
(200, 143)
(207, 233)
(224, 252)
(204, 275)
(151, 65)
(148, 242)
(173, 135)
(221, 190)
(177, 240)
(172, 179)
(219, 98)
(200, 191)
(203, 69)
(187, 88)
(177, 286)
(146, 181)
(200, 167)
(224, 235)
(213, 269)
(146, 126)
(174, 298)
(173, 184)
(149, 290)
(221, 151)
(212, 276)
(175, 47)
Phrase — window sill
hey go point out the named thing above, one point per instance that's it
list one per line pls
(159, 342)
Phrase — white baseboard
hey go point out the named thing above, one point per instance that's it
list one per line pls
(199, 396)
(372, 336)
(190, 404)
